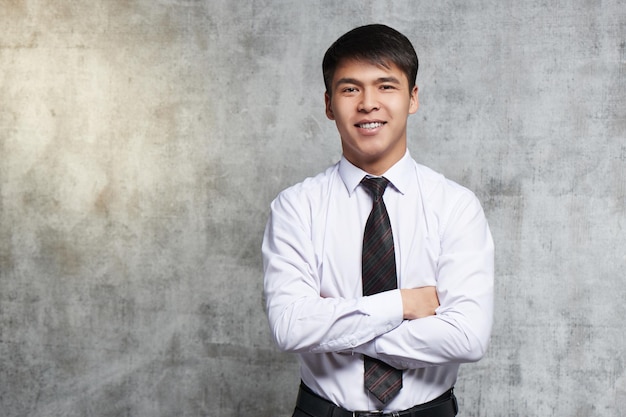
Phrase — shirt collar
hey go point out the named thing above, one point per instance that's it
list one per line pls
(398, 175)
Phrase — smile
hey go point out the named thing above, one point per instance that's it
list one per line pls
(370, 125)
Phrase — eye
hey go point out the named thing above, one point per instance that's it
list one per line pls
(349, 90)
(387, 87)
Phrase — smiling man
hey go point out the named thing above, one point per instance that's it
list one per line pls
(370, 104)
(378, 271)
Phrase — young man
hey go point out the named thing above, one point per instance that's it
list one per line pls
(378, 271)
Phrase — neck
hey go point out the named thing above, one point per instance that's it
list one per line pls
(376, 167)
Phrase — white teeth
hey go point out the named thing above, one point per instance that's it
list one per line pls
(370, 125)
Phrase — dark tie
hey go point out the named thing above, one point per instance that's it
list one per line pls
(379, 274)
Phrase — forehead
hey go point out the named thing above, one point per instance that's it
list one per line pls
(367, 71)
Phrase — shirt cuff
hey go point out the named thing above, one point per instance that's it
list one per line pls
(384, 310)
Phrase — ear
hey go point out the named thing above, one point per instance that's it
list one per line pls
(414, 101)
(329, 108)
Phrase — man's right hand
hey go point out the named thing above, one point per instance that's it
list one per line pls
(419, 302)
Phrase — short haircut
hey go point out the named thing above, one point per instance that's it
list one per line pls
(377, 44)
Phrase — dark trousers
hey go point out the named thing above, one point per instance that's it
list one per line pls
(444, 406)
(299, 413)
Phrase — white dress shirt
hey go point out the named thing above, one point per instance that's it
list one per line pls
(313, 289)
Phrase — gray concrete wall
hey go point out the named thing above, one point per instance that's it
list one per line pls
(141, 142)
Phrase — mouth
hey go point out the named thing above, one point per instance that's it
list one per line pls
(370, 125)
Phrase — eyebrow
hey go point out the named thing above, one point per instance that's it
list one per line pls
(380, 80)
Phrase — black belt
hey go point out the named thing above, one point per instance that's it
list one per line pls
(316, 406)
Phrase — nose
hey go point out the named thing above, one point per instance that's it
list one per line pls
(368, 102)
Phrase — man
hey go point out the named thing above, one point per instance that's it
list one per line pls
(378, 271)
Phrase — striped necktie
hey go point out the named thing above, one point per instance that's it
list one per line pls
(379, 274)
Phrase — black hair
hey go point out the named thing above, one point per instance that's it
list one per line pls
(378, 44)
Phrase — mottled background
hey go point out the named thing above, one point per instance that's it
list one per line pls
(141, 142)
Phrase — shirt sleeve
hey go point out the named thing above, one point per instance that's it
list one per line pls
(461, 328)
(300, 319)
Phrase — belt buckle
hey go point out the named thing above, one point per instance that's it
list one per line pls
(372, 414)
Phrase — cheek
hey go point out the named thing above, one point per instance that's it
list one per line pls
(400, 108)
(337, 110)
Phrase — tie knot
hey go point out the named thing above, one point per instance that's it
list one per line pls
(375, 185)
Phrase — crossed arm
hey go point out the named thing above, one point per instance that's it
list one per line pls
(408, 327)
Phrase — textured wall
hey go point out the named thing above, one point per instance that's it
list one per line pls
(141, 142)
